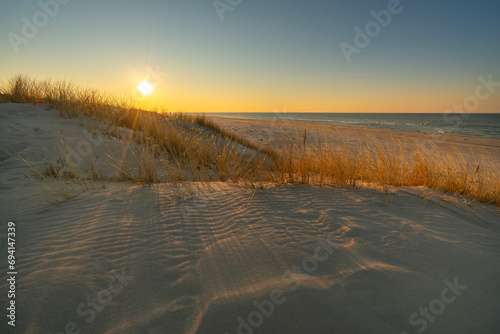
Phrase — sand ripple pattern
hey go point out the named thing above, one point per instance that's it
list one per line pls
(200, 259)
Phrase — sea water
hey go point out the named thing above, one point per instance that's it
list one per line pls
(477, 125)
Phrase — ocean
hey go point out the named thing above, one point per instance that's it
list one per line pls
(477, 125)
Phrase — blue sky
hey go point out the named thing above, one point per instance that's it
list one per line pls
(264, 55)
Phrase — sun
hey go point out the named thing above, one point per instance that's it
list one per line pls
(145, 88)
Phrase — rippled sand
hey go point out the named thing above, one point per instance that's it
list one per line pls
(192, 258)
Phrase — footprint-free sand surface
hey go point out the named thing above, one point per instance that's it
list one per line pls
(220, 258)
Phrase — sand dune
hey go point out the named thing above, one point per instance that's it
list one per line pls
(218, 258)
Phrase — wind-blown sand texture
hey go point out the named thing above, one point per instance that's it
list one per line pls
(197, 258)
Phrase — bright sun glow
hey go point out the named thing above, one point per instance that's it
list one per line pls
(145, 88)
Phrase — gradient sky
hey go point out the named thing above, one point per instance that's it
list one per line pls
(265, 55)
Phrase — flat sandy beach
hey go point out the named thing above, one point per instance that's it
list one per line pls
(281, 131)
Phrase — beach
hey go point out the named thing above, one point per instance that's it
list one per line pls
(250, 167)
(279, 132)
(197, 257)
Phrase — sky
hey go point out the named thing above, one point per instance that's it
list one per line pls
(264, 56)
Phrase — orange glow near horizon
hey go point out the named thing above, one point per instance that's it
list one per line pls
(288, 59)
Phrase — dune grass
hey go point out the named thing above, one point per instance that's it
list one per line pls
(195, 154)
(198, 149)
(352, 164)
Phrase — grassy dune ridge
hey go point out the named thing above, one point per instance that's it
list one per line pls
(196, 148)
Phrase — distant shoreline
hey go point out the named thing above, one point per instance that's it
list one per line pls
(257, 129)
(480, 125)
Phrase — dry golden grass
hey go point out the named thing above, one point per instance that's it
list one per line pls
(61, 180)
(207, 122)
(350, 164)
(193, 154)
(195, 148)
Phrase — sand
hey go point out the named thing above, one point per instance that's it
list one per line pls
(192, 258)
(276, 132)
